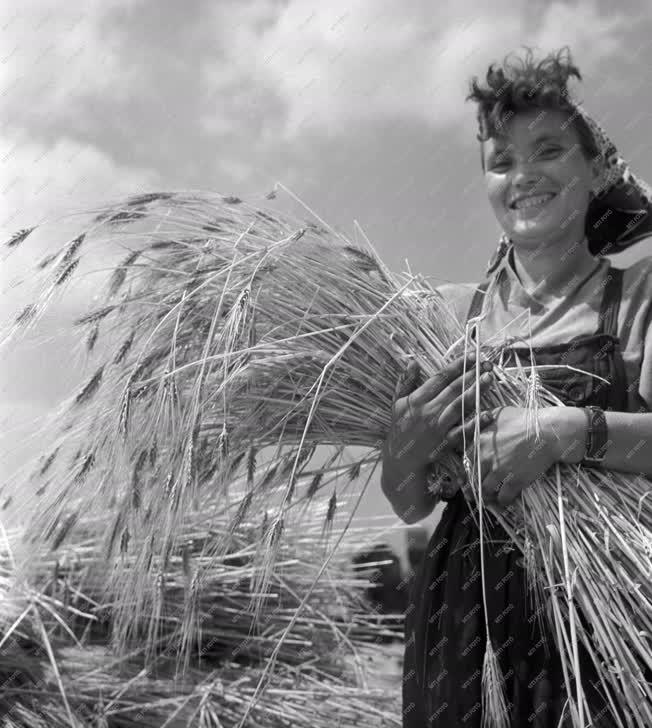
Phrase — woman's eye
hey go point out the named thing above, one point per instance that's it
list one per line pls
(551, 150)
(503, 163)
(499, 164)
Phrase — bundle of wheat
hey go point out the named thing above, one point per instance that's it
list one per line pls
(243, 331)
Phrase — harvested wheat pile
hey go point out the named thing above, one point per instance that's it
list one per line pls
(59, 667)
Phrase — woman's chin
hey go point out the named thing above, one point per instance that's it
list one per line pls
(530, 231)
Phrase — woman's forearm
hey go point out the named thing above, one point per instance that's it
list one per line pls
(629, 448)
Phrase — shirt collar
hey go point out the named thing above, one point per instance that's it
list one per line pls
(506, 278)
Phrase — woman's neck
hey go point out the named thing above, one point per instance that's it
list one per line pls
(548, 273)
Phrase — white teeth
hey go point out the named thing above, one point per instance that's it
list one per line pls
(532, 201)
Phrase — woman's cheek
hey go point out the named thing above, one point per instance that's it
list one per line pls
(497, 190)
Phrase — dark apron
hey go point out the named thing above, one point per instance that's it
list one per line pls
(444, 628)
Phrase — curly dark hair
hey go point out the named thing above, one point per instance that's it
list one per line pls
(528, 84)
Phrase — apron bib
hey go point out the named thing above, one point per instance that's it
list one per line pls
(444, 626)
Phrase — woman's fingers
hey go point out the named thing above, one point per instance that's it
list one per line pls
(408, 381)
(492, 485)
(463, 384)
(500, 487)
(456, 435)
(433, 386)
(464, 400)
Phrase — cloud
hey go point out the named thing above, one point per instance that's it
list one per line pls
(594, 37)
(42, 183)
(40, 179)
(334, 65)
(59, 53)
(59, 57)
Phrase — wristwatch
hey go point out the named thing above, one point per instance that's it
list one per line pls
(597, 436)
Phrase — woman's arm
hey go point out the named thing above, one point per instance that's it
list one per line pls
(630, 439)
(511, 459)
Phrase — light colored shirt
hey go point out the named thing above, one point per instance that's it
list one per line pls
(572, 314)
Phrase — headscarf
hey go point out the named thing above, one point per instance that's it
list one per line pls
(620, 210)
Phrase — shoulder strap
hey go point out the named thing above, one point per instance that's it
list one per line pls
(611, 302)
(476, 301)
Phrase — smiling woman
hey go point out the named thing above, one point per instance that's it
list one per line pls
(476, 653)
(538, 184)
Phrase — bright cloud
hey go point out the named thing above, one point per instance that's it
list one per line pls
(336, 64)
(56, 53)
(41, 179)
(41, 182)
(58, 58)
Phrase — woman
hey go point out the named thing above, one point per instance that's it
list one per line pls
(563, 198)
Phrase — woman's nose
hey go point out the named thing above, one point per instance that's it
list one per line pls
(525, 176)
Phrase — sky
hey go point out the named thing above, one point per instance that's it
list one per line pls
(356, 106)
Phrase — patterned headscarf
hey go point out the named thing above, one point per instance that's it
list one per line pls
(620, 211)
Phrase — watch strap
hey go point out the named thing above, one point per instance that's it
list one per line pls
(597, 436)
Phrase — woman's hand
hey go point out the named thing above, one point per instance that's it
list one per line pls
(511, 460)
(423, 416)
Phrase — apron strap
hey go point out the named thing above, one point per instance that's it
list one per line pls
(476, 302)
(611, 303)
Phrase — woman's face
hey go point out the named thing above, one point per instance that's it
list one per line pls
(538, 178)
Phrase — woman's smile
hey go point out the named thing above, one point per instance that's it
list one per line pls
(530, 201)
(532, 206)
